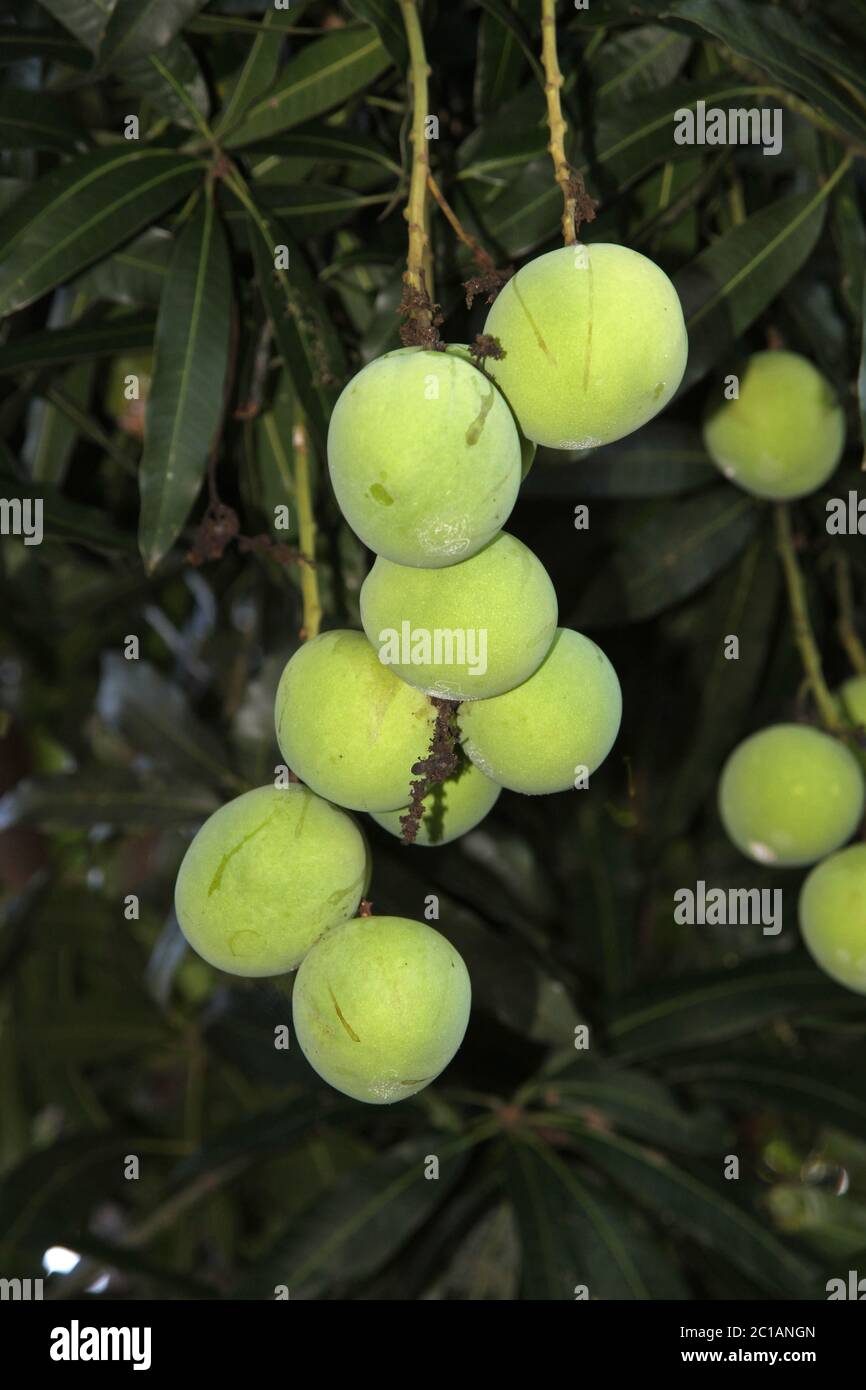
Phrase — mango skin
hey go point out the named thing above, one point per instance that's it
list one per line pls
(424, 457)
(503, 592)
(785, 434)
(265, 876)
(567, 715)
(852, 697)
(347, 726)
(380, 1007)
(832, 912)
(451, 808)
(790, 794)
(528, 447)
(595, 344)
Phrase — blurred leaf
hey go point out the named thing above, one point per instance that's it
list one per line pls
(705, 1207)
(510, 16)
(63, 520)
(153, 715)
(640, 60)
(144, 78)
(139, 27)
(309, 347)
(635, 1102)
(21, 42)
(99, 796)
(81, 211)
(328, 143)
(664, 459)
(500, 58)
(190, 361)
(86, 19)
(258, 71)
(85, 339)
(726, 287)
(36, 120)
(667, 554)
(676, 1016)
(353, 1230)
(134, 275)
(322, 75)
(801, 1087)
(571, 1236)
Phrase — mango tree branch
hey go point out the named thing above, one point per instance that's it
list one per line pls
(416, 207)
(802, 627)
(555, 120)
(845, 625)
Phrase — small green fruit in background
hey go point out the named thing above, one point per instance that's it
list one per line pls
(784, 435)
(852, 696)
(790, 794)
(347, 726)
(495, 616)
(129, 413)
(564, 718)
(595, 344)
(380, 1007)
(424, 457)
(528, 447)
(833, 916)
(265, 876)
(451, 808)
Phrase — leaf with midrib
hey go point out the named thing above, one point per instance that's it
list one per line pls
(695, 1205)
(79, 800)
(81, 211)
(54, 346)
(139, 27)
(86, 19)
(798, 1086)
(37, 121)
(324, 74)
(190, 362)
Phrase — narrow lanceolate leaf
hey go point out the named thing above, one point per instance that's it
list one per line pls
(36, 121)
(257, 73)
(81, 211)
(190, 360)
(799, 1087)
(703, 1206)
(19, 43)
(573, 1239)
(726, 287)
(324, 74)
(139, 27)
(56, 346)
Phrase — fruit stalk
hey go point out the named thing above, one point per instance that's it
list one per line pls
(415, 211)
(802, 628)
(306, 535)
(555, 120)
(845, 626)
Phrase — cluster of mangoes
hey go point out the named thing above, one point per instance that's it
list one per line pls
(426, 452)
(791, 795)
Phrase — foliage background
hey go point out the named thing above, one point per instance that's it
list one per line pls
(558, 1167)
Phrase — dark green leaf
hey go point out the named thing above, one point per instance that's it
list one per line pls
(800, 1087)
(324, 74)
(134, 275)
(145, 79)
(259, 70)
(36, 121)
(80, 800)
(667, 554)
(63, 520)
(698, 1009)
(190, 361)
(386, 20)
(500, 59)
(55, 346)
(86, 19)
(664, 459)
(704, 1207)
(19, 43)
(81, 211)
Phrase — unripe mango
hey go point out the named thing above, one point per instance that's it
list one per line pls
(790, 794)
(833, 916)
(467, 632)
(265, 876)
(595, 344)
(451, 808)
(784, 434)
(424, 457)
(380, 1007)
(347, 726)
